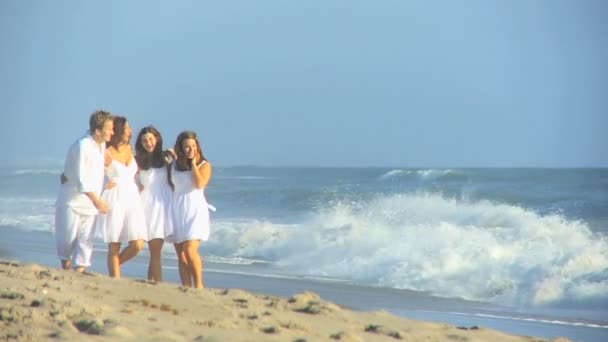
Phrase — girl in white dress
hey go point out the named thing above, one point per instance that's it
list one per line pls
(190, 174)
(156, 193)
(125, 223)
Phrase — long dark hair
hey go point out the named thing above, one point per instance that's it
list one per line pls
(119, 130)
(145, 159)
(182, 162)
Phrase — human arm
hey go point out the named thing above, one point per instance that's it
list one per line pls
(169, 155)
(101, 206)
(86, 177)
(137, 180)
(200, 174)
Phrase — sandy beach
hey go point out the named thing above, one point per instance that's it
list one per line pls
(45, 303)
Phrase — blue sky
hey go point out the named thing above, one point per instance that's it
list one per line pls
(316, 83)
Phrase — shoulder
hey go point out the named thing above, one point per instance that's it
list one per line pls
(84, 143)
(204, 165)
(84, 140)
(112, 153)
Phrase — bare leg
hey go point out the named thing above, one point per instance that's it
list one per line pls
(66, 264)
(155, 272)
(114, 259)
(182, 265)
(79, 269)
(131, 250)
(195, 263)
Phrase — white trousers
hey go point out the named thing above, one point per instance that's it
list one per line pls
(74, 236)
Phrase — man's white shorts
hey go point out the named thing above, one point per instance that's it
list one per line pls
(74, 236)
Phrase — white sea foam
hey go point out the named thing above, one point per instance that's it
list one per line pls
(31, 214)
(529, 319)
(422, 174)
(38, 171)
(474, 250)
(19, 202)
(393, 173)
(234, 261)
(435, 173)
(29, 222)
(451, 247)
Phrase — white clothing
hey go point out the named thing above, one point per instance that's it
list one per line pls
(74, 236)
(125, 222)
(84, 170)
(74, 211)
(190, 208)
(156, 198)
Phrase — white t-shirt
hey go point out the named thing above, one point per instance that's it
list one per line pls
(84, 169)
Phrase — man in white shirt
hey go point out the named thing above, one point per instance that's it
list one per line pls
(78, 202)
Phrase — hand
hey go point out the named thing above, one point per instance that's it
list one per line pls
(110, 184)
(195, 160)
(102, 207)
(141, 187)
(63, 179)
(169, 154)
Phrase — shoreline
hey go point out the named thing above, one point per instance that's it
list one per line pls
(37, 247)
(39, 302)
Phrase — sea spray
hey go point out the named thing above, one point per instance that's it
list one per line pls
(475, 250)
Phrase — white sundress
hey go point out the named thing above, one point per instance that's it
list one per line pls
(125, 221)
(189, 208)
(156, 198)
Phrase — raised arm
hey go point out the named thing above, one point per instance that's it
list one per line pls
(200, 174)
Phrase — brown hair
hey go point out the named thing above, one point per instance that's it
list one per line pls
(119, 130)
(98, 119)
(182, 162)
(145, 159)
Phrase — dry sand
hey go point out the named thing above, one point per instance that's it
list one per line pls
(42, 303)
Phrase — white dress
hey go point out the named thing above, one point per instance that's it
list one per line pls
(125, 222)
(156, 198)
(190, 208)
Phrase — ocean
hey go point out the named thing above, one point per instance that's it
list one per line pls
(520, 250)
